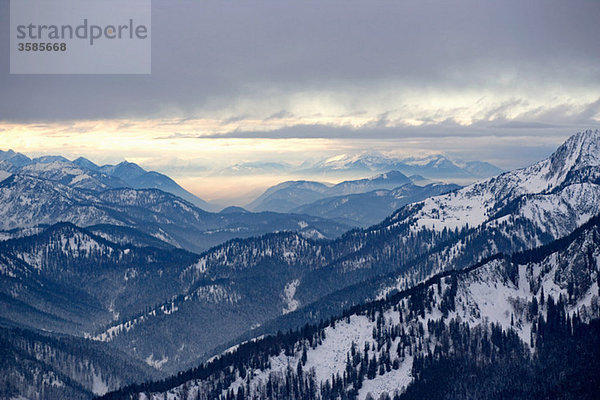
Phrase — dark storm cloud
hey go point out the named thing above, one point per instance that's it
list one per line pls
(446, 129)
(279, 115)
(208, 54)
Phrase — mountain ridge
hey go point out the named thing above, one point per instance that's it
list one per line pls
(28, 201)
(124, 174)
(367, 209)
(437, 166)
(290, 195)
(325, 352)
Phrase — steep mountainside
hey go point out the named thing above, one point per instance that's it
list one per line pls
(40, 366)
(506, 320)
(138, 178)
(66, 279)
(565, 184)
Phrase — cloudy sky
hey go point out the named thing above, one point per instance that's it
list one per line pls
(501, 81)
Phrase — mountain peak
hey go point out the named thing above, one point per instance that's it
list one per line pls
(587, 144)
(14, 158)
(580, 151)
(391, 175)
(124, 170)
(85, 163)
(4, 154)
(50, 159)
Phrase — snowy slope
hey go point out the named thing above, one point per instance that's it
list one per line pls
(62, 170)
(28, 201)
(499, 291)
(551, 185)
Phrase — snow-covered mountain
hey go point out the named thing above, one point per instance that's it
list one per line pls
(492, 316)
(84, 174)
(67, 173)
(555, 195)
(27, 201)
(66, 279)
(435, 166)
(514, 211)
(290, 195)
(61, 282)
(138, 178)
(388, 180)
(13, 158)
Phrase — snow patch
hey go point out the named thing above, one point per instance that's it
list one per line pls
(289, 292)
(99, 387)
(156, 363)
(390, 383)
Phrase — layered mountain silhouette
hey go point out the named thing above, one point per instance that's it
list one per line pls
(130, 270)
(53, 190)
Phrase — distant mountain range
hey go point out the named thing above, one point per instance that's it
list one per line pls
(361, 202)
(390, 190)
(434, 167)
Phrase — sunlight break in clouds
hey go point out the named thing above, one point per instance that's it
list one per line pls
(503, 82)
